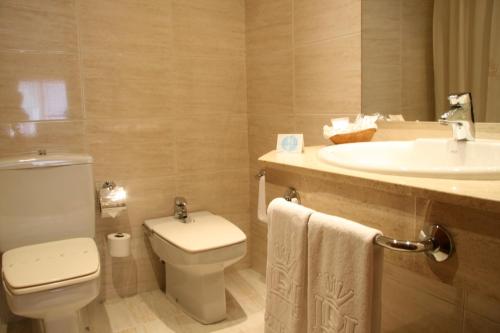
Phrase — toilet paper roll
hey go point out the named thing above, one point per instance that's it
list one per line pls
(119, 244)
(261, 202)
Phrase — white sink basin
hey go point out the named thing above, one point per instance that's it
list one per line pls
(435, 158)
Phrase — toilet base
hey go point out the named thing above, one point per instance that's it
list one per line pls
(67, 323)
(199, 290)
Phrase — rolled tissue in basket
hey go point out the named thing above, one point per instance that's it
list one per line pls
(346, 131)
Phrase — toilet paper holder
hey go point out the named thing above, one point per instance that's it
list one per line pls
(291, 194)
(112, 199)
(111, 195)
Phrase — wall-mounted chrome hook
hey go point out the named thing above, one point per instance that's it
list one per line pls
(261, 173)
(291, 194)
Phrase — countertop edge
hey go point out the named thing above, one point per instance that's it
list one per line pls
(481, 194)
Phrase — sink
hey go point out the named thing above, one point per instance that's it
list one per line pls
(434, 158)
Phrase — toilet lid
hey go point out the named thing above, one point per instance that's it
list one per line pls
(206, 232)
(40, 266)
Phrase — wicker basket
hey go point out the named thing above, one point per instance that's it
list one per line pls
(359, 136)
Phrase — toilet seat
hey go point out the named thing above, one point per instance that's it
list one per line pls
(57, 264)
(207, 232)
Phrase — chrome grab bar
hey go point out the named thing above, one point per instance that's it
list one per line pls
(438, 245)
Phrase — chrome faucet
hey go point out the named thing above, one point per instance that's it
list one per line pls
(180, 209)
(460, 116)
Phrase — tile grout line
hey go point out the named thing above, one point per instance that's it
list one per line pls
(81, 80)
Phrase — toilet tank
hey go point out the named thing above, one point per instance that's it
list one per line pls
(45, 198)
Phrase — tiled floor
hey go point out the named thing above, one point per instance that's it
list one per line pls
(152, 312)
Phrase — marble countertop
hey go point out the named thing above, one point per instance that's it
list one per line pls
(484, 194)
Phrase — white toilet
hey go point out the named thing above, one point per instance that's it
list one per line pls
(50, 262)
(195, 255)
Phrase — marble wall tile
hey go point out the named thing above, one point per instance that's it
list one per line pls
(126, 85)
(261, 13)
(323, 86)
(200, 28)
(262, 130)
(268, 27)
(24, 26)
(130, 148)
(109, 25)
(270, 82)
(407, 307)
(474, 323)
(54, 136)
(476, 236)
(39, 86)
(209, 85)
(397, 58)
(319, 20)
(211, 142)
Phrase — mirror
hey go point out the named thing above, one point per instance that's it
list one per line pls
(417, 52)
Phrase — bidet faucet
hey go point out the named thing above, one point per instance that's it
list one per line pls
(460, 116)
(180, 209)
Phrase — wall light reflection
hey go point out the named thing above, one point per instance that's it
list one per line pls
(44, 99)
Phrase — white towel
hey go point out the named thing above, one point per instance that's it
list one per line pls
(261, 200)
(344, 276)
(286, 276)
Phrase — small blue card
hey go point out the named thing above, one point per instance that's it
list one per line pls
(290, 143)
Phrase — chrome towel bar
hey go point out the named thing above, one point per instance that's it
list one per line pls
(438, 244)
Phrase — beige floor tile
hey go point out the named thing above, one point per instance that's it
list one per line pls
(152, 312)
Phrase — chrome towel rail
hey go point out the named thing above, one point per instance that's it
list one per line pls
(438, 244)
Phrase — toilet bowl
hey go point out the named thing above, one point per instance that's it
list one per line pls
(195, 255)
(52, 281)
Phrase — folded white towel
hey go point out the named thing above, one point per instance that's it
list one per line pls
(344, 276)
(286, 276)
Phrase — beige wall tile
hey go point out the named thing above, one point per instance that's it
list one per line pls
(381, 19)
(270, 38)
(122, 27)
(261, 13)
(270, 82)
(475, 234)
(406, 308)
(319, 20)
(53, 136)
(262, 130)
(485, 305)
(221, 192)
(474, 323)
(24, 25)
(211, 142)
(326, 86)
(207, 85)
(131, 148)
(397, 58)
(39, 86)
(201, 29)
(126, 85)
